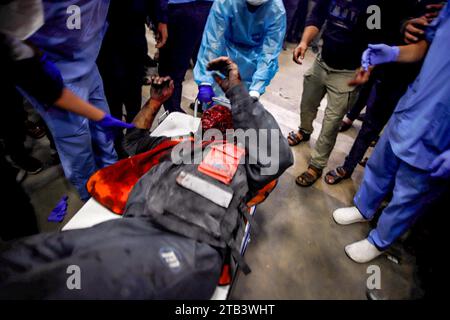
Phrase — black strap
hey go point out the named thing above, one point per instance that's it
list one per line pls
(240, 260)
(243, 209)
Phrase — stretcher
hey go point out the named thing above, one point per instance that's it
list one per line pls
(176, 124)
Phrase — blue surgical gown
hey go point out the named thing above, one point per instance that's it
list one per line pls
(252, 39)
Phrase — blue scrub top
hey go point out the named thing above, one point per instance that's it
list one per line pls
(74, 51)
(419, 129)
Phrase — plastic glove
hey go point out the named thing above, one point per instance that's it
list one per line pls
(205, 93)
(379, 54)
(254, 94)
(440, 167)
(109, 121)
(59, 212)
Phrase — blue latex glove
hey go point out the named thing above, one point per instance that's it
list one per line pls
(110, 122)
(440, 167)
(205, 93)
(379, 54)
(59, 212)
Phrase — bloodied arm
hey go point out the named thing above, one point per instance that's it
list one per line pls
(267, 152)
(138, 140)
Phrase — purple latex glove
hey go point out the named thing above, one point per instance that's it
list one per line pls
(205, 93)
(440, 167)
(379, 54)
(59, 212)
(110, 122)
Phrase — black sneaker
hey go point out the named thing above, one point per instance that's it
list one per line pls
(28, 163)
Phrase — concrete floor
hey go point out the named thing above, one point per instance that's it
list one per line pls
(299, 252)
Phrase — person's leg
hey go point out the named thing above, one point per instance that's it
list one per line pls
(133, 95)
(413, 192)
(72, 139)
(378, 112)
(102, 140)
(361, 102)
(313, 92)
(186, 24)
(340, 98)
(18, 217)
(291, 9)
(13, 130)
(378, 180)
(150, 263)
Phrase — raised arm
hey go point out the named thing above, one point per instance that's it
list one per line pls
(138, 140)
(270, 156)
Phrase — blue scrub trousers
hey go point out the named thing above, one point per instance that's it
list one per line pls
(413, 190)
(83, 146)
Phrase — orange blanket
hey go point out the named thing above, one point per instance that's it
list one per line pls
(112, 185)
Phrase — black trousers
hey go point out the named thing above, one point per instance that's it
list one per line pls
(121, 63)
(186, 24)
(384, 97)
(17, 214)
(126, 258)
(296, 12)
(12, 130)
(363, 99)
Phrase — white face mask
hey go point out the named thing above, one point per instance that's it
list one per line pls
(256, 2)
(21, 18)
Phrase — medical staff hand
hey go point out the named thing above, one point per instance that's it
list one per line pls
(161, 35)
(440, 167)
(161, 88)
(299, 52)
(379, 54)
(205, 93)
(414, 29)
(110, 122)
(229, 69)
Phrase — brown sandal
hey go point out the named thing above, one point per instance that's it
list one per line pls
(295, 138)
(306, 179)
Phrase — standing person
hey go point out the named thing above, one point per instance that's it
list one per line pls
(421, 13)
(13, 131)
(251, 32)
(123, 55)
(296, 11)
(72, 41)
(186, 22)
(345, 37)
(412, 158)
(387, 91)
(24, 67)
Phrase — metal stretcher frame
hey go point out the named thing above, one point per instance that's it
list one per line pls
(93, 213)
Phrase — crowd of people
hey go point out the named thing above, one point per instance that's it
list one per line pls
(82, 65)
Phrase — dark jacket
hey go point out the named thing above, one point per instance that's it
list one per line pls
(346, 34)
(130, 258)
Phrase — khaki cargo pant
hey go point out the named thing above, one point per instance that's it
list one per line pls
(319, 80)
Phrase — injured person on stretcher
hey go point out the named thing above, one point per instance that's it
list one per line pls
(184, 205)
